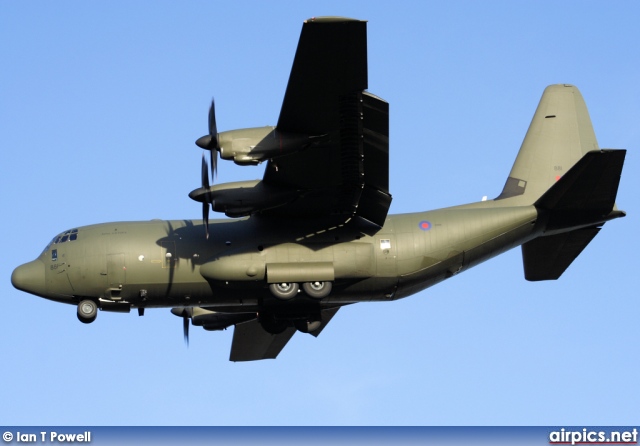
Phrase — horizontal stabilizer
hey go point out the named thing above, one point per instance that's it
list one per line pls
(546, 258)
(575, 206)
(590, 185)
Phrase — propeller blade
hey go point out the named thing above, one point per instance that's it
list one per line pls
(204, 173)
(185, 313)
(185, 329)
(214, 144)
(205, 219)
(214, 164)
(213, 127)
(207, 197)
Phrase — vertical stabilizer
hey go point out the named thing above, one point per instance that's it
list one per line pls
(558, 137)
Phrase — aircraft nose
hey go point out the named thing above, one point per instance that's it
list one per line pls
(30, 278)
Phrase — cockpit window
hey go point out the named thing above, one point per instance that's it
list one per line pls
(66, 236)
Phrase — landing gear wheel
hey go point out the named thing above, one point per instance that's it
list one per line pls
(317, 289)
(87, 311)
(307, 326)
(284, 290)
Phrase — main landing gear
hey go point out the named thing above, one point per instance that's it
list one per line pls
(276, 325)
(288, 290)
(87, 311)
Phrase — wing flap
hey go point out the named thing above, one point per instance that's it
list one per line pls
(347, 178)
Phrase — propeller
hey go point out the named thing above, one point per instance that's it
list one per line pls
(209, 142)
(185, 314)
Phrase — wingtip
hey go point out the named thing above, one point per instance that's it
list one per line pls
(331, 19)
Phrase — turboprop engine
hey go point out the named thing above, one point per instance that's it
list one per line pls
(209, 320)
(253, 145)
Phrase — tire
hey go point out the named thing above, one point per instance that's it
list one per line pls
(284, 290)
(317, 289)
(307, 326)
(87, 311)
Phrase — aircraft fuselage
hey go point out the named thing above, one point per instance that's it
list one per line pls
(170, 263)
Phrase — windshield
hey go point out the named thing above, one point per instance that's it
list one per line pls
(66, 236)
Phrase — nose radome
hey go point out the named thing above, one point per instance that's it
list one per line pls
(30, 278)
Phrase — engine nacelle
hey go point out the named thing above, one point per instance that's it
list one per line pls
(253, 145)
(212, 320)
(242, 198)
(221, 321)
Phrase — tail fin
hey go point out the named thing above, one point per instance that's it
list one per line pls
(560, 134)
(561, 170)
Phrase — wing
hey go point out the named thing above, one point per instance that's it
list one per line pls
(328, 157)
(251, 342)
(344, 172)
(330, 62)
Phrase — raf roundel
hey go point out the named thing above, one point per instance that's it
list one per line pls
(424, 225)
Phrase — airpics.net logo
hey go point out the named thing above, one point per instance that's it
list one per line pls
(586, 436)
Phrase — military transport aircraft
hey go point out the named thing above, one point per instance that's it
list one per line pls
(314, 234)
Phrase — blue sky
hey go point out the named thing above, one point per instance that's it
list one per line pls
(100, 105)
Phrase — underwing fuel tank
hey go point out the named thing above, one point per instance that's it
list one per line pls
(251, 146)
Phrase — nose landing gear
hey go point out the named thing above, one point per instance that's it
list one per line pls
(87, 311)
